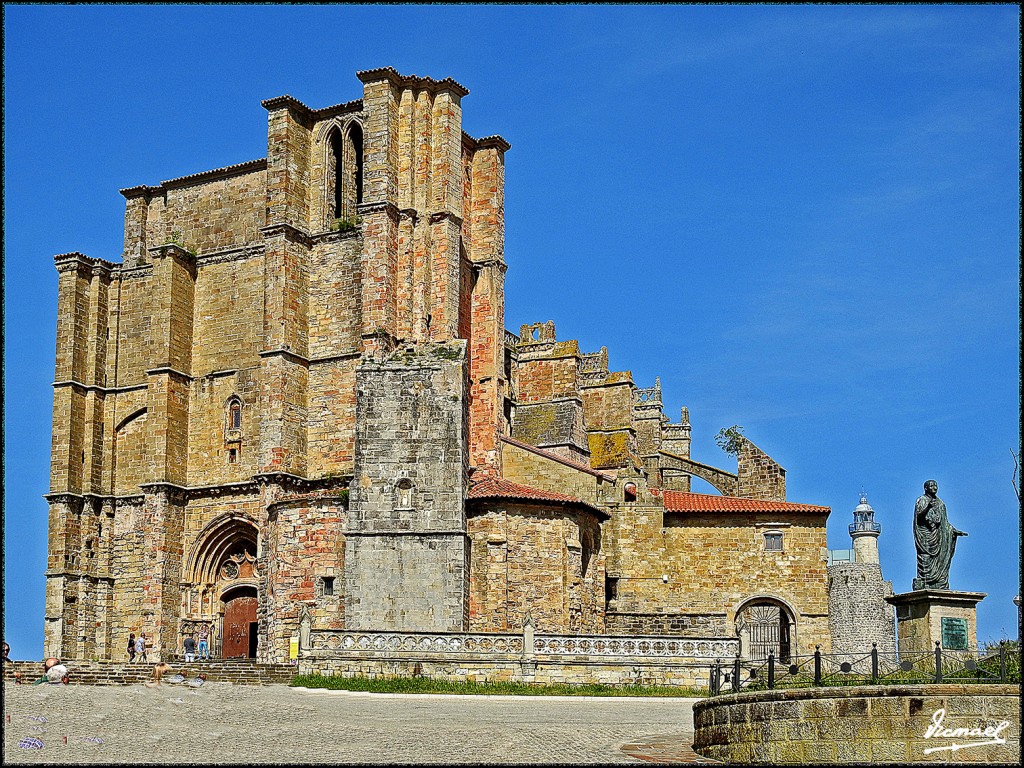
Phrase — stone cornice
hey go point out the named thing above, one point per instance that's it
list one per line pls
(96, 387)
(386, 206)
(66, 262)
(412, 81)
(333, 236)
(285, 479)
(439, 216)
(487, 142)
(295, 357)
(239, 253)
(293, 105)
(133, 273)
(202, 177)
(347, 108)
(287, 231)
(174, 251)
(167, 370)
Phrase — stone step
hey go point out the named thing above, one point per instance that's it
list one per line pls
(241, 672)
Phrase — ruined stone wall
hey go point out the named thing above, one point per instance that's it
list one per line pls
(528, 559)
(406, 548)
(758, 476)
(857, 612)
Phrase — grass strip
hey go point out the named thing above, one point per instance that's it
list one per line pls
(428, 685)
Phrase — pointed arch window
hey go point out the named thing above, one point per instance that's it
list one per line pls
(344, 174)
(233, 420)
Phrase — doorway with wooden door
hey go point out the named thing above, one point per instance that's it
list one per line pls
(239, 635)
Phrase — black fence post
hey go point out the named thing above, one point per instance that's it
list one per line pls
(874, 662)
(736, 675)
(938, 662)
(817, 665)
(771, 671)
(715, 682)
(1002, 662)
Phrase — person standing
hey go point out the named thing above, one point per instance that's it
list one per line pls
(204, 642)
(189, 644)
(140, 647)
(131, 647)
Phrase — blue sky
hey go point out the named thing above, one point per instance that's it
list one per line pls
(804, 219)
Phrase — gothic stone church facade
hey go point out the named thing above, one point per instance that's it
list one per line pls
(295, 395)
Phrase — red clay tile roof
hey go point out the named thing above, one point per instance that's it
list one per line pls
(499, 488)
(677, 501)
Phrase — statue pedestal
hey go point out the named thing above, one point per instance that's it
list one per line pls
(927, 616)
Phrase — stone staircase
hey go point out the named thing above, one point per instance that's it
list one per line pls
(238, 671)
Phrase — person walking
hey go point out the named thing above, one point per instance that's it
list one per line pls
(140, 647)
(131, 647)
(189, 644)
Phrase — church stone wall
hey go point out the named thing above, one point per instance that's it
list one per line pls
(406, 549)
(714, 563)
(529, 560)
(208, 215)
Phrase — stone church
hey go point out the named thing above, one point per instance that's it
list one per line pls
(295, 396)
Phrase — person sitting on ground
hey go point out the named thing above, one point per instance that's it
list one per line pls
(55, 672)
(159, 670)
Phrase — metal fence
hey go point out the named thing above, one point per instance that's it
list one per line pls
(873, 668)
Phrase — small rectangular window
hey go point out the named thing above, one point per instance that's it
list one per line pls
(328, 586)
(773, 542)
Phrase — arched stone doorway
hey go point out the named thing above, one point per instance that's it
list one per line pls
(765, 627)
(221, 594)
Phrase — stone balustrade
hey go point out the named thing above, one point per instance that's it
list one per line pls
(350, 642)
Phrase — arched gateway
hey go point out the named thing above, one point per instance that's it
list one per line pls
(222, 588)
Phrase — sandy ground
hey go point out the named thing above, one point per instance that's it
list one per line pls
(222, 723)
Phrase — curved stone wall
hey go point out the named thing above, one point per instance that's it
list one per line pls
(877, 724)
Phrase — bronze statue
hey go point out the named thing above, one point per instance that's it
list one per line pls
(935, 539)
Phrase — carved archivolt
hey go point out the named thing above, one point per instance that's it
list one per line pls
(222, 558)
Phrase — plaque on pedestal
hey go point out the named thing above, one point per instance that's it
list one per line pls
(927, 616)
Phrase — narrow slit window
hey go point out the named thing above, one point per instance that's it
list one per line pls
(235, 415)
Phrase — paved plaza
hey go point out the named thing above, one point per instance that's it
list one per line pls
(222, 723)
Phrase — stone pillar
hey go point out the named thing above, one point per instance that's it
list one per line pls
(163, 513)
(925, 616)
(135, 216)
(406, 542)
(284, 366)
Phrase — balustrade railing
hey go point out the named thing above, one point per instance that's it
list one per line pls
(605, 646)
